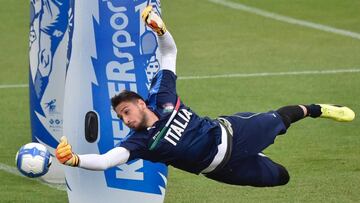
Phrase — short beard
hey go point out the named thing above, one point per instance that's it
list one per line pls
(143, 122)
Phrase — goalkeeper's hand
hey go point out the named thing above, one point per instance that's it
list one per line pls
(65, 155)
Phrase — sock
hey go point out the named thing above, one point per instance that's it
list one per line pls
(290, 114)
(313, 110)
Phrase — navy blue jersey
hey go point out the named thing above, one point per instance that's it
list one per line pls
(191, 141)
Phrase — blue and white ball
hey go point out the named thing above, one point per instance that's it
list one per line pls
(33, 160)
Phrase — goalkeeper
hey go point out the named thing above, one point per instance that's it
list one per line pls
(227, 149)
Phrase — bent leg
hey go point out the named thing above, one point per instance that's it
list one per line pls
(257, 171)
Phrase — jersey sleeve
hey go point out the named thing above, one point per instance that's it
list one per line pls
(136, 143)
(162, 93)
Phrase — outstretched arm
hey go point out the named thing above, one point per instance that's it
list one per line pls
(167, 44)
(114, 157)
(66, 156)
(168, 52)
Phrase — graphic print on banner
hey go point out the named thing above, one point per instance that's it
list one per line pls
(51, 28)
(126, 59)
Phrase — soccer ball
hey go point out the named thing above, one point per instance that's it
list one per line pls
(33, 160)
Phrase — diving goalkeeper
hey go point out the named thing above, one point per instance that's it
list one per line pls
(227, 149)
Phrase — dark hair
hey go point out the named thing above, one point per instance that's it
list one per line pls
(124, 96)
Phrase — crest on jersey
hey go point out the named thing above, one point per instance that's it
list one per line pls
(168, 107)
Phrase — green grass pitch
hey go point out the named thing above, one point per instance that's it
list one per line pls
(323, 157)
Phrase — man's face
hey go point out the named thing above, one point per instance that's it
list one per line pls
(132, 113)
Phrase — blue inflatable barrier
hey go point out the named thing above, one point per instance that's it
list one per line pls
(112, 50)
(49, 54)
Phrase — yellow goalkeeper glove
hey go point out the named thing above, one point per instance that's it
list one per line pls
(65, 155)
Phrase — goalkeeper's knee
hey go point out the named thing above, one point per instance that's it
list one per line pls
(284, 176)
